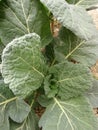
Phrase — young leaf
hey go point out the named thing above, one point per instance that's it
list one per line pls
(72, 17)
(92, 94)
(70, 47)
(18, 110)
(74, 114)
(23, 65)
(44, 100)
(21, 17)
(30, 123)
(72, 79)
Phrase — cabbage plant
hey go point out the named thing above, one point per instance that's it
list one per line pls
(46, 74)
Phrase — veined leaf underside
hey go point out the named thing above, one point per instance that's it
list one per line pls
(65, 111)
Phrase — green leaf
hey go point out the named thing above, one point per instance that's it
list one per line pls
(44, 100)
(4, 121)
(11, 107)
(4, 117)
(31, 123)
(18, 111)
(5, 92)
(84, 3)
(47, 84)
(5, 96)
(72, 17)
(23, 65)
(52, 93)
(1, 49)
(50, 88)
(70, 47)
(14, 108)
(92, 94)
(21, 17)
(71, 79)
(49, 52)
(74, 114)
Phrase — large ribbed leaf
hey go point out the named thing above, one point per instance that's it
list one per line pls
(72, 79)
(23, 65)
(84, 3)
(71, 47)
(19, 17)
(72, 17)
(74, 114)
(92, 94)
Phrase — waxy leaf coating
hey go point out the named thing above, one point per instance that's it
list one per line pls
(23, 65)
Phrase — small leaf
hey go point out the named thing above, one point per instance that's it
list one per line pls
(72, 48)
(92, 94)
(4, 121)
(49, 87)
(72, 17)
(23, 65)
(18, 111)
(44, 100)
(73, 114)
(52, 93)
(20, 17)
(47, 84)
(4, 117)
(5, 92)
(31, 123)
(71, 79)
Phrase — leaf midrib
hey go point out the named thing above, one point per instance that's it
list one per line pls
(69, 54)
(64, 113)
(79, 2)
(25, 16)
(72, 78)
(32, 67)
(57, 102)
(17, 17)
